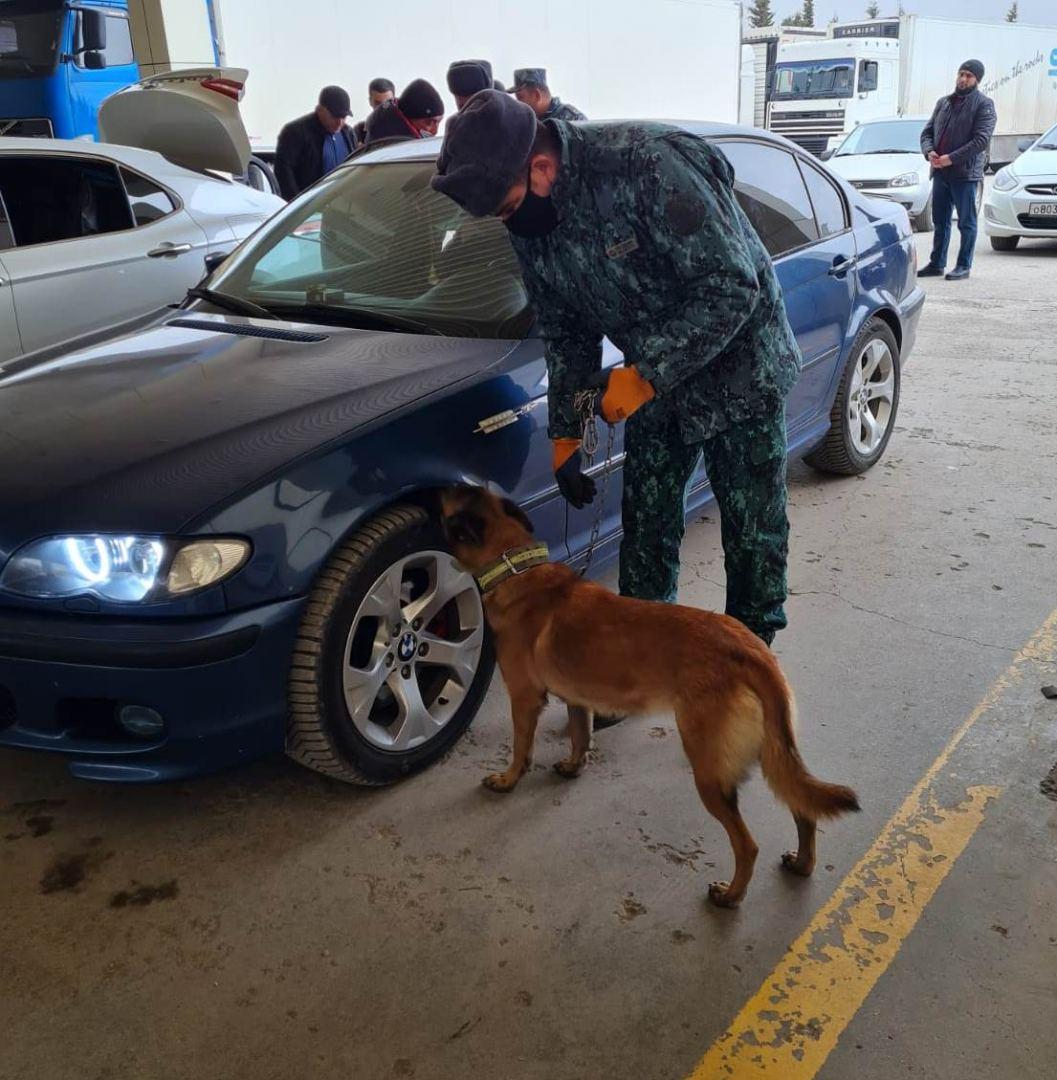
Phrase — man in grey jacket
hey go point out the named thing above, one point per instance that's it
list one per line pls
(956, 141)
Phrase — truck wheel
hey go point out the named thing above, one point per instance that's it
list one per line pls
(393, 656)
(924, 222)
(1005, 243)
(864, 411)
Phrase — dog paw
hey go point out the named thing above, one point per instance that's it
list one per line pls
(719, 894)
(791, 862)
(499, 783)
(569, 769)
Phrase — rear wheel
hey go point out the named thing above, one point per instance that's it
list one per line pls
(1005, 243)
(393, 656)
(864, 411)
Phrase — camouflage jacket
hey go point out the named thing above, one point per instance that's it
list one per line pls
(653, 251)
(558, 110)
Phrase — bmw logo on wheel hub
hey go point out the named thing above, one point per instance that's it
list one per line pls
(408, 647)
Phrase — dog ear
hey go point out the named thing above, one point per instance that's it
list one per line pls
(465, 527)
(513, 510)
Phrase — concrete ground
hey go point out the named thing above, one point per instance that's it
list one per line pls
(270, 924)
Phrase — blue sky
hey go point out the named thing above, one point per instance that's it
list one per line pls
(1043, 12)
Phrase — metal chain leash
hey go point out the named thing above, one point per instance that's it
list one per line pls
(584, 404)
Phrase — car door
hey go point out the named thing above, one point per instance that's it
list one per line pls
(95, 245)
(10, 342)
(814, 255)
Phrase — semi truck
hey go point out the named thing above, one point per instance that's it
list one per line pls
(822, 90)
(59, 59)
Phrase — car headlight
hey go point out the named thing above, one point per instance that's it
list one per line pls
(1006, 180)
(126, 569)
(907, 179)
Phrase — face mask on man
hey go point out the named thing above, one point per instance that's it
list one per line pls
(535, 217)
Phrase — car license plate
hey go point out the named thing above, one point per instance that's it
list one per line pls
(1043, 209)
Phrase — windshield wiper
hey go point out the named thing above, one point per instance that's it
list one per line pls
(865, 153)
(235, 304)
(347, 315)
(1045, 146)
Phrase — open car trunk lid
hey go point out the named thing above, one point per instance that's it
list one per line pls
(191, 117)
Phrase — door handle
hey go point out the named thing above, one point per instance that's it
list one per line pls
(841, 265)
(168, 250)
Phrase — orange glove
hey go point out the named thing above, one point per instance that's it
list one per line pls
(626, 392)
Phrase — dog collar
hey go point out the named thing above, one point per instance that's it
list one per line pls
(512, 562)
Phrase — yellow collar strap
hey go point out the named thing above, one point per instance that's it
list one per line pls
(512, 562)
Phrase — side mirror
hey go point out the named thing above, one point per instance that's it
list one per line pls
(214, 259)
(94, 60)
(825, 155)
(93, 30)
(1025, 144)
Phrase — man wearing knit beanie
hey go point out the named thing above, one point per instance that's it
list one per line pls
(956, 142)
(415, 114)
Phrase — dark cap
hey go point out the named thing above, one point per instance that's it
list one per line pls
(335, 101)
(529, 77)
(466, 77)
(974, 67)
(497, 85)
(485, 152)
(420, 101)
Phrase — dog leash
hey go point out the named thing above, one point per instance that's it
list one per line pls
(584, 403)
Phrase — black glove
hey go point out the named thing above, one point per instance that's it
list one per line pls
(577, 488)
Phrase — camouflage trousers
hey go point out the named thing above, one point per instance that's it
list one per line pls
(746, 465)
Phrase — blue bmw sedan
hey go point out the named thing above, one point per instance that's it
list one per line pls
(217, 536)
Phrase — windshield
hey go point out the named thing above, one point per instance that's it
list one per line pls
(891, 137)
(29, 37)
(1048, 141)
(814, 79)
(373, 246)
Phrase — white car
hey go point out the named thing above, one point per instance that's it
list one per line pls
(1023, 198)
(95, 235)
(883, 158)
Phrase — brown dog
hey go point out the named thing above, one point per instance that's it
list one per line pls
(558, 634)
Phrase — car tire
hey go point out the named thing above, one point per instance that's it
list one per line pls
(870, 383)
(1005, 243)
(367, 704)
(924, 222)
(260, 177)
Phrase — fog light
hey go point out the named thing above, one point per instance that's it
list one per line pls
(140, 721)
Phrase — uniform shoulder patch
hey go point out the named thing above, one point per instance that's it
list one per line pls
(685, 213)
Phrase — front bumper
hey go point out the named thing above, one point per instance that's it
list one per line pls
(219, 685)
(1007, 213)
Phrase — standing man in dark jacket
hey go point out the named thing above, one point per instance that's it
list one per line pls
(530, 86)
(632, 231)
(415, 114)
(310, 147)
(378, 90)
(468, 77)
(956, 141)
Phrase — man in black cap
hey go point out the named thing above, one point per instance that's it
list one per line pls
(530, 86)
(467, 77)
(956, 141)
(632, 231)
(378, 90)
(415, 114)
(311, 146)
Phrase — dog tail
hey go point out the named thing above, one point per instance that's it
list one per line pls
(783, 768)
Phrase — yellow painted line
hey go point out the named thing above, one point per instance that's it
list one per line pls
(791, 1025)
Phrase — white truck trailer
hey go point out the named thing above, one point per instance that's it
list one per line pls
(900, 67)
(675, 59)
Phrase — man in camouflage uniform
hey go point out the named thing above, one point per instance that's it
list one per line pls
(633, 231)
(530, 86)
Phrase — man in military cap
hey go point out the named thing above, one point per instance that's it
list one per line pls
(467, 77)
(633, 231)
(530, 86)
(415, 114)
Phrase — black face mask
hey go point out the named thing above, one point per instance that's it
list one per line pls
(535, 217)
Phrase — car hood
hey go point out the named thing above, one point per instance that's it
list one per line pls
(876, 166)
(146, 432)
(1036, 163)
